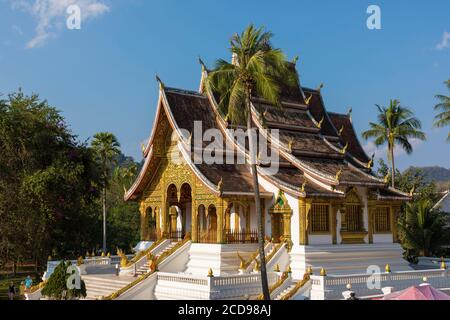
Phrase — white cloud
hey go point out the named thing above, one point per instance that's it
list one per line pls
(381, 152)
(51, 15)
(445, 42)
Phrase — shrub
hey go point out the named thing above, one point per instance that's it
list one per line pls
(56, 286)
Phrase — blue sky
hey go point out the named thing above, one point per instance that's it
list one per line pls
(102, 77)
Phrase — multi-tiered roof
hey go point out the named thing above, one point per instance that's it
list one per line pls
(320, 155)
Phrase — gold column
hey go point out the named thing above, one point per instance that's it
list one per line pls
(194, 222)
(334, 210)
(303, 226)
(173, 219)
(394, 212)
(287, 227)
(370, 217)
(144, 222)
(221, 207)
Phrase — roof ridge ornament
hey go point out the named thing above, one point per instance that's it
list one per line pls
(202, 64)
(320, 87)
(386, 178)
(341, 130)
(161, 84)
(349, 113)
(220, 185)
(338, 175)
(319, 124)
(370, 163)
(411, 192)
(290, 143)
(308, 100)
(302, 189)
(344, 150)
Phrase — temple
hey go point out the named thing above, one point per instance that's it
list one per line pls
(324, 202)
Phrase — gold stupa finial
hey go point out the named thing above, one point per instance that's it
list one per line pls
(308, 100)
(344, 149)
(323, 272)
(210, 273)
(309, 270)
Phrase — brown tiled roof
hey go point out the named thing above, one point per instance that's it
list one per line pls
(308, 142)
(349, 135)
(317, 110)
(285, 116)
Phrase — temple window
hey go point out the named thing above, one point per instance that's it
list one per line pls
(354, 218)
(382, 221)
(320, 218)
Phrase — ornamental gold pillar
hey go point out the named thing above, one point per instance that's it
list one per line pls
(144, 222)
(394, 213)
(194, 222)
(173, 219)
(303, 224)
(370, 217)
(287, 227)
(334, 209)
(221, 208)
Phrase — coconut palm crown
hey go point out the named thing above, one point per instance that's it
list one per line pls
(443, 118)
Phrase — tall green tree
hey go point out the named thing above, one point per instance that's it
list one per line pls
(443, 118)
(107, 149)
(422, 230)
(48, 194)
(259, 70)
(395, 126)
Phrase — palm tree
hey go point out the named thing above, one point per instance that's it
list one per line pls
(395, 125)
(422, 230)
(106, 149)
(256, 70)
(443, 118)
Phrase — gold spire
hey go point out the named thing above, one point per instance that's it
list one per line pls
(411, 192)
(210, 273)
(308, 100)
(319, 125)
(341, 130)
(344, 150)
(323, 272)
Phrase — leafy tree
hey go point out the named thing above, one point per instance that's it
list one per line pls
(258, 70)
(443, 118)
(47, 183)
(106, 148)
(422, 230)
(56, 286)
(395, 126)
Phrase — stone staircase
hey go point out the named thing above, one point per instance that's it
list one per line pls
(98, 286)
(290, 287)
(145, 269)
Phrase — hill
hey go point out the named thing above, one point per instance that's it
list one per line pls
(440, 175)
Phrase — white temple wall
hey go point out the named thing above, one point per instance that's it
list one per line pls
(295, 218)
(320, 239)
(338, 227)
(383, 238)
(362, 193)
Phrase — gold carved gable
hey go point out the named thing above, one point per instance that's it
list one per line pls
(281, 204)
(352, 197)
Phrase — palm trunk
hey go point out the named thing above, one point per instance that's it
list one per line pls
(393, 166)
(104, 219)
(264, 282)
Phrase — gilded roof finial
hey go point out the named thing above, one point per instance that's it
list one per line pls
(308, 100)
(142, 148)
(210, 273)
(349, 113)
(161, 84)
(319, 125)
(302, 189)
(290, 144)
(370, 163)
(344, 150)
(338, 175)
(323, 272)
(202, 63)
(388, 268)
(320, 87)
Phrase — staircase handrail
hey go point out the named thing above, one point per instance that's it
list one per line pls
(300, 284)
